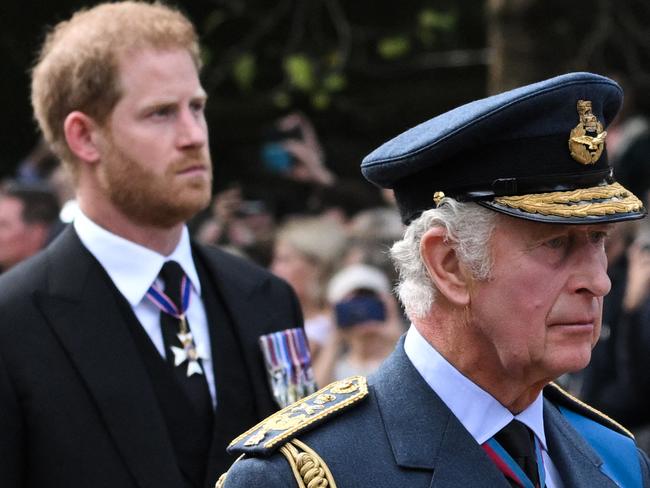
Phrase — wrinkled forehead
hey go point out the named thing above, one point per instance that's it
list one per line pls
(534, 230)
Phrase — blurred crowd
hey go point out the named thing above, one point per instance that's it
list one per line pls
(329, 238)
(330, 244)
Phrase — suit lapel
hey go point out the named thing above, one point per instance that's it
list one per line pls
(236, 409)
(80, 308)
(240, 292)
(424, 434)
(244, 291)
(235, 290)
(235, 287)
(578, 464)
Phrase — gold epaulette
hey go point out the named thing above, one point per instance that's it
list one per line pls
(308, 468)
(555, 393)
(302, 415)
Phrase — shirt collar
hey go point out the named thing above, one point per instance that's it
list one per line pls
(132, 268)
(479, 412)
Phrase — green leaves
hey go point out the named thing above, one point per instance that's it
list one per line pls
(432, 19)
(316, 78)
(431, 24)
(244, 70)
(334, 82)
(314, 53)
(393, 47)
(299, 70)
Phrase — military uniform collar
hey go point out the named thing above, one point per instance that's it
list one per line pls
(479, 412)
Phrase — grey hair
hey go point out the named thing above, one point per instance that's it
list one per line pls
(469, 227)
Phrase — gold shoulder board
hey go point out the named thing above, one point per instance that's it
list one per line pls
(299, 416)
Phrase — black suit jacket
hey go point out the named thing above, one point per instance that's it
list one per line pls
(77, 407)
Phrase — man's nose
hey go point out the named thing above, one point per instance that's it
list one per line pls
(192, 129)
(590, 273)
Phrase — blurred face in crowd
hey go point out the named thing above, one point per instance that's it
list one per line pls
(539, 313)
(298, 270)
(156, 166)
(18, 239)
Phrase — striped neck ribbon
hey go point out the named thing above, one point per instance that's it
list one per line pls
(166, 304)
(510, 468)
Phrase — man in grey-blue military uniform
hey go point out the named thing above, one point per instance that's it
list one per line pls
(508, 201)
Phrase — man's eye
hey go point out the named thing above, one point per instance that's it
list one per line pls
(197, 107)
(557, 242)
(598, 237)
(162, 112)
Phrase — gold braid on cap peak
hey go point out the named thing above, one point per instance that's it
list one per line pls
(584, 202)
(308, 468)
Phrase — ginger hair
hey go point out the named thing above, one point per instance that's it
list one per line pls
(78, 65)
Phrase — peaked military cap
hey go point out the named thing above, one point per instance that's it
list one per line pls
(535, 152)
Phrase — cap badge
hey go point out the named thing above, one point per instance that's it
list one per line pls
(587, 139)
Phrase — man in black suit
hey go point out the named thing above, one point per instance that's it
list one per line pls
(129, 355)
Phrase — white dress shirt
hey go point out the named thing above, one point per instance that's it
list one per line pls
(134, 268)
(479, 412)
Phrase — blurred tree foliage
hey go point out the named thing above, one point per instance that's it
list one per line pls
(306, 52)
(363, 70)
(535, 39)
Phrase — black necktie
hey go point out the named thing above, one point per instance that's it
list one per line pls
(195, 386)
(518, 441)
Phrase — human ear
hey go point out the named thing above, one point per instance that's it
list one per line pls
(448, 274)
(80, 133)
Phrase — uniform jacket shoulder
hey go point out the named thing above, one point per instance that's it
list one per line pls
(561, 398)
(610, 446)
(272, 454)
(304, 415)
